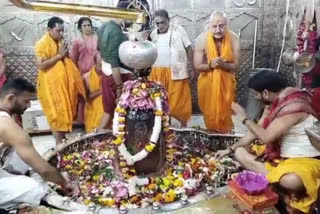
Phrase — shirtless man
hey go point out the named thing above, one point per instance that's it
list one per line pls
(216, 57)
(288, 159)
(17, 154)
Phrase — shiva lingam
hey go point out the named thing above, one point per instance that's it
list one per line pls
(141, 119)
(143, 162)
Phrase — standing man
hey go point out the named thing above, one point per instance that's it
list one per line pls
(17, 155)
(171, 66)
(110, 37)
(59, 81)
(217, 59)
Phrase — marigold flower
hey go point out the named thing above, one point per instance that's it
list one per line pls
(170, 196)
(158, 113)
(149, 147)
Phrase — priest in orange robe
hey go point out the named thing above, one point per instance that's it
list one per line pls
(59, 83)
(216, 57)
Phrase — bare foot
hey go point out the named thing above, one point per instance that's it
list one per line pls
(287, 199)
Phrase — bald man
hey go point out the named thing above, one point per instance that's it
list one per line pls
(216, 57)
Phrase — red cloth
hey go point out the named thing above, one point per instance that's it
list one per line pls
(316, 101)
(311, 48)
(291, 100)
(109, 91)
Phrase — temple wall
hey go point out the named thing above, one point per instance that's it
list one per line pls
(191, 14)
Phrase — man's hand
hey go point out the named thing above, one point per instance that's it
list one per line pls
(68, 189)
(220, 62)
(239, 111)
(223, 64)
(215, 62)
(92, 96)
(221, 153)
(118, 94)
(63, 50)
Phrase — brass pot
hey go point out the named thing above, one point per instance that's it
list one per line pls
(305, 63)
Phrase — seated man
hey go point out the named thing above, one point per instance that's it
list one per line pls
(17, 155)
(290, 159)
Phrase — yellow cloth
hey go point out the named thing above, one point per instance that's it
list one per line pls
(308, 169)
(178, 91)
(216, 88)
(93, 111)
(58, 87)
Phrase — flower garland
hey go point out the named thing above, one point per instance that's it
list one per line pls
(139, 91)
(119, 128)
(140, 95)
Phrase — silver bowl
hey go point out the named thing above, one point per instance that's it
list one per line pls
(288, 57)
(138, 54)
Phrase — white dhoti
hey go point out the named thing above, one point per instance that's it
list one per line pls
(19, 189)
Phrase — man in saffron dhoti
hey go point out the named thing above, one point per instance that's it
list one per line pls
(216, 57)
(171, 66)
(59, 80)
(287, 157)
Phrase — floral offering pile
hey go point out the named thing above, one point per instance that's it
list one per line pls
(105, 173)
(185, 175)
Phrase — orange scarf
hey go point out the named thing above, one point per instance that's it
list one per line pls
(216, 88)
(93, 110)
